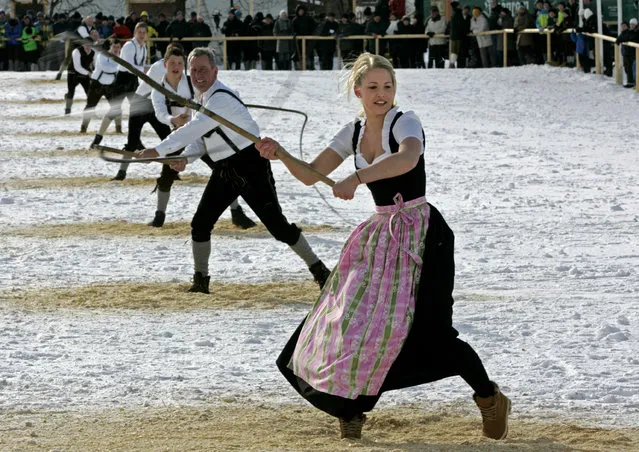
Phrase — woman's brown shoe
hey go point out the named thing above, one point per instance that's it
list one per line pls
(494, 413)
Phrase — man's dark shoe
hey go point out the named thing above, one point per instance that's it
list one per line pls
(200, 283)
(121, 175)
(320, 273)
(239, 219)
(96, 140)
(158, 221)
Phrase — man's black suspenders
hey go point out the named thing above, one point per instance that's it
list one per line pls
(218, 129)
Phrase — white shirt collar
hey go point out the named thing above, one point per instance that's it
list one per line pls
(216, 85)
(390, 114)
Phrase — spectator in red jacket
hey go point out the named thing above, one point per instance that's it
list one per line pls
(120, 30)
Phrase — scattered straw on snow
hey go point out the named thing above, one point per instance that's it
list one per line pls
(59, 117)
(61, 133)
(164, 296)
(251, 426)
(77, 152)
(125, 228)
(42, 100)
(76, 182)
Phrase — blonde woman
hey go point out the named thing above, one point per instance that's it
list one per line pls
(384, 317)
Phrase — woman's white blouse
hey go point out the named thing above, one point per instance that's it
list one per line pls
(408, 125)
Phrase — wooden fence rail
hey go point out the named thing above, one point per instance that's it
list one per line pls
(505, 33)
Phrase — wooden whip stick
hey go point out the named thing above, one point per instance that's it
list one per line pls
(281, 153)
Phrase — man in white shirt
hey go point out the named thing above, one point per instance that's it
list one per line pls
(84, 30)
(78, 73)
(238, 170)
(102, 79)
(141, 112)
(133, 52)
(173, 116)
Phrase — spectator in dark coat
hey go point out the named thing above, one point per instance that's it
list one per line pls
(590, 26)
(406, 54)
(350, 48)
(561, 41)
(493, 24)
(131, 21)
(375, 28)
(629, 33)
(326, 49)
(459, 29)
(74, 22)
(233, 27)
(267, 47)
(161, 29)
(200, 29)
(250, 49)
(506, 21)
(13, 35)
(584, 43)
(382, 8)
(419, 46)
(304, 25)
(60, 23)
(525, 41)
(573, 5)
(179, 29)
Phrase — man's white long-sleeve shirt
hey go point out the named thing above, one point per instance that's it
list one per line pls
(84, 30)
(133, 53)
(156, 72)
(192, 134)
(77, 61)
(160, 101)
(105, 70)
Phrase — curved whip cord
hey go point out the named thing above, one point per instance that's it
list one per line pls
(321, 195)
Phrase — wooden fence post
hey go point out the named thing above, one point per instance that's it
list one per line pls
(148, 52)
(597, 58)
(224, 55)
(618, 74)
(303, 53)
(505, 37)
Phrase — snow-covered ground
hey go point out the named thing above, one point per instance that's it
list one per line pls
(535, 169)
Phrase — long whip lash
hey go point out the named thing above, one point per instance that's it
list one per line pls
(104, 149)
(281, 153)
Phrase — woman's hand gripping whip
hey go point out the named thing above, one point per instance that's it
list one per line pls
(281, 153)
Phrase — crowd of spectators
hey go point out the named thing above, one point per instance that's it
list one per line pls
(28, 44)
